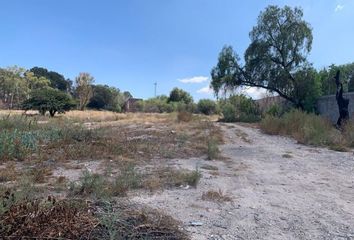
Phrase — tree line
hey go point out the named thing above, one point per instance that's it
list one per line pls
(49, 91)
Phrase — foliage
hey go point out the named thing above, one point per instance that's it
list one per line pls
(213, 149)
(84, 89)
(207, 107)
(49, 99)
(90, 184)
(34, 82)
(108, 98)
(275, 60)
(326, 76)
(16, 144)
(304, 127)
(276, 110)
(128, 179)
(239, 108)
(56, 80)
(229, 112)
(14, 89)
(179, 95)
(161, 104)
(158, 104)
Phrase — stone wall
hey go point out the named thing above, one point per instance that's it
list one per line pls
(327, 106)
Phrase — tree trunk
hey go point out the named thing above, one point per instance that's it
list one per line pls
(341, 101)
(52, 113)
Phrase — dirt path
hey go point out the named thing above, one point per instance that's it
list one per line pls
(280, 190)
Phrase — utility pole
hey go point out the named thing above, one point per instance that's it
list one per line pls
(155, 87)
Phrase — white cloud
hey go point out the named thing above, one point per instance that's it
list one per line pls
(339, 8)
(205, 90)
(255, 93)
(197, 79)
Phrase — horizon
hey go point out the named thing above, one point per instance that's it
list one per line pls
(131, 45)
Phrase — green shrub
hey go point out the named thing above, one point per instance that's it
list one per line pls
(128, 179)
(179, 95)
(213, 149)
(239, 108)
(191, 178)
(158, 104)
(16, 144)
(177, 178)
(207, 106)
(275, 110)
(229, 113)
(90, 184)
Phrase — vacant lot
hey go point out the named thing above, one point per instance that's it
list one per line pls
(88, 163)
(268, 187)
(100, 175)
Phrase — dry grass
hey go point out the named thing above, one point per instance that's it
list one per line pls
(209, 167)
(8, 173)
(244, 137)
(306, 129)
(170, 178)
(216, 196)
(52, 218)
(110, 139)
(184, 116)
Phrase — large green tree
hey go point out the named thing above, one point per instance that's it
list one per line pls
(57, 80)
(49, 99)
(275, 60)
(106, 97)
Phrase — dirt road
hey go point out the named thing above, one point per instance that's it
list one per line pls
(279, 190)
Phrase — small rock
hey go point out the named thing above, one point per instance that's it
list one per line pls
(195, 224)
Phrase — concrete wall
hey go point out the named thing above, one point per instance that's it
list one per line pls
(327, 106)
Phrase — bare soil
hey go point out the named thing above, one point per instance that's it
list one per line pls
(279, 190)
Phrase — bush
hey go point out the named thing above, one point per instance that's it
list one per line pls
(229, 113)
(206, 106)
(275, 110)
(90, 184)
(158, 104)
(128, 179)
(306, 128)
(16, 144)
(179, 95)
(213, 149)
(240, 108)
(184, 116)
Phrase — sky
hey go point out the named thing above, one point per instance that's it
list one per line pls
(131, 44)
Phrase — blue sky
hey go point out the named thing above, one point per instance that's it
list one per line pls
(130, 44)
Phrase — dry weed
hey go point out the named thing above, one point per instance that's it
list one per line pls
(216, 196)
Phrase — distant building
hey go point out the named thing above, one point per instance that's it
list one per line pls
(131, 105)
